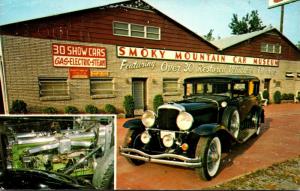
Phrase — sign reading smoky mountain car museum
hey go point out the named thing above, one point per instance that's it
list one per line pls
(70, 55)
(159, 54)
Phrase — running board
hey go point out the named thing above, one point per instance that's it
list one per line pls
(246, 134)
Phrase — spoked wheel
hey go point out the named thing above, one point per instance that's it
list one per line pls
(132, 140)
(231, 120)
(209, 150)
(256, 122)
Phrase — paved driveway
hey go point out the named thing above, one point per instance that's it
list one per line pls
(279, 141)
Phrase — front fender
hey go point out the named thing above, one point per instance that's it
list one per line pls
(207, 129)
(134, 124)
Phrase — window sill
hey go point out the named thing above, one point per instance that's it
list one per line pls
(102, 96)
(171, 94)
(55, 98)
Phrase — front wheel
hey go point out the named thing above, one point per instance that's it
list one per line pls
(209, 150)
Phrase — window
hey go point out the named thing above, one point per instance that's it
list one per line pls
(53, 87)
(121, 29)
(289, 75)
(270, 48)
(102, 87)
(135, 30)
(170, 86)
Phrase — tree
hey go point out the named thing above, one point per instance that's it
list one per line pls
(298, 44)
(209, 36)
(249, 23)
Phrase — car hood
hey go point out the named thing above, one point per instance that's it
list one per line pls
(202, 102)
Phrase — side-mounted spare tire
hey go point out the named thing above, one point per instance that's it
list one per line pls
(104, 173)
(231, 120)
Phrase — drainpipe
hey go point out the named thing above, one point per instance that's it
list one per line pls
(3, 81)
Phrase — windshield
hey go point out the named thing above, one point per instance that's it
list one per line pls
(207, 88)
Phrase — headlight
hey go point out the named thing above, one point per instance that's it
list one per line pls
(184, 121)
(148, 118)
(145, 137)
(224, 104)
(168, 140)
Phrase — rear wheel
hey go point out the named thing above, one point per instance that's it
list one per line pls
(132, 140)
(256, 122)
(209, 150)
(231, 120)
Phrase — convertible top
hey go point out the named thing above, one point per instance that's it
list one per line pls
(225, 78)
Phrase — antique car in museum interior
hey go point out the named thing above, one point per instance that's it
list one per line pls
(216, 112)
(57, 152)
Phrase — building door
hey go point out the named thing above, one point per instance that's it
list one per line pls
(139, 93)
(267, 84)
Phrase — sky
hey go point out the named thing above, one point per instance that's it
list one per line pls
(198, 15)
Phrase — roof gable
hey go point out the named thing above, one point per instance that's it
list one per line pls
(228, 42)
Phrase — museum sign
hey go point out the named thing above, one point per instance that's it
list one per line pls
(159, 54)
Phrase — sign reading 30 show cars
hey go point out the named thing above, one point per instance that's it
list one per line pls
(70, 55)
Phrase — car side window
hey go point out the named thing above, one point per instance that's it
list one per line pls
(239, 89)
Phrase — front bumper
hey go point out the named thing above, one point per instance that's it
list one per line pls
(166, 158)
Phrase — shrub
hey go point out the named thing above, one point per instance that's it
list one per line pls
(277, 97)
(128, 105)
(19, 106)
(266, 94)
(291, 96)
(284, 96)
(108, 108)
(71, 109)
(91, 109)
(50, 110)
(157, 101)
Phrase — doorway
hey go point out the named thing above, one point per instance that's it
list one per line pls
(139, 94)
(267, 84)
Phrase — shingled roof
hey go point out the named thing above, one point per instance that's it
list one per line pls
(236, 39)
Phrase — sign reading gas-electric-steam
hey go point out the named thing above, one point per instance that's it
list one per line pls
(70, 55)
(159, 54)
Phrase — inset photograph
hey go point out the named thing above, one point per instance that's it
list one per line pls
(57, 152)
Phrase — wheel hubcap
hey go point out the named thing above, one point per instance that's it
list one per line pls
(235, 124)
(214, 156)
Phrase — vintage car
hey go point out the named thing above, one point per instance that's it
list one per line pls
(216, 112)
(56, 152)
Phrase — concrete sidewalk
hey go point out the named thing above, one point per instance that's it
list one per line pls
(279, 141)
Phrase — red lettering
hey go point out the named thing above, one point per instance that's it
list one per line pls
(195, 56)
(187, 55)
(144, 52)
(121, 51)
(132, 52)
(162, 53)
(178, 55)
(153, 53)
(222, 58)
